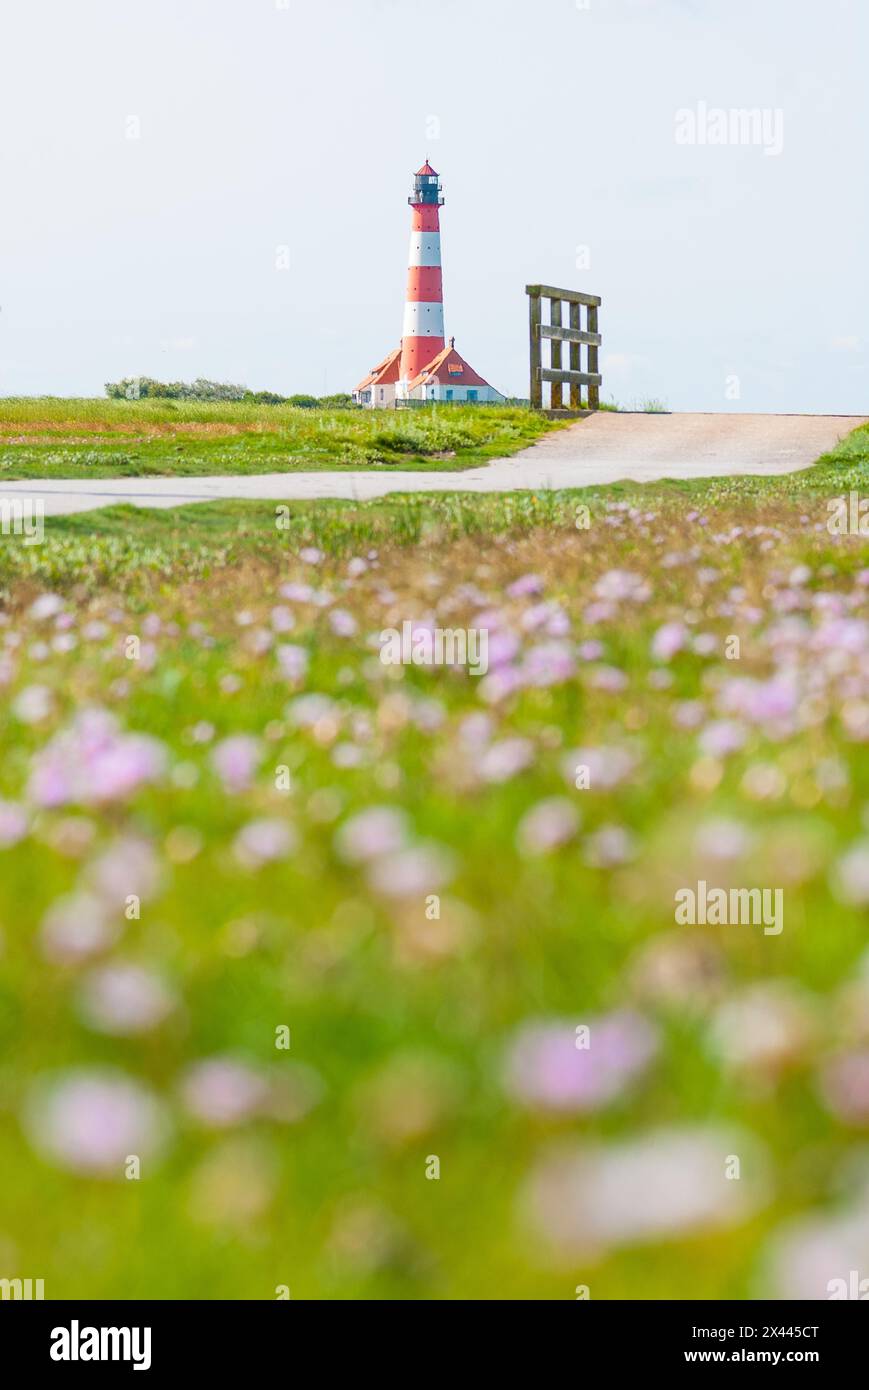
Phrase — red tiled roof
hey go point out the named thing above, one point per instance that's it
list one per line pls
(385, 373)
(426, 171)
(448, 369)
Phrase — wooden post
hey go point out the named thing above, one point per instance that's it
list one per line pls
(557, 397)
(593, 391)
(536, 354)
(575, 357)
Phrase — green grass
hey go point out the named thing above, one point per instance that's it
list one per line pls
(405, 1021)
(52, 438)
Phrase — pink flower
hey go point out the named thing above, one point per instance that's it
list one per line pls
(77, 927)
(547, 1068)
(845, 1087)
(123, 1000)
(93, 762)
(669, 640)
(293, 661)
(13, 823)
(721, 737)
(235, 761)
(263, 841)
(379, 830)
(342, 623)
(526, 586)
(851, 876)
(413, 872)
(221, 1091)
(586, 1200)
(606, 766)
(549, 663)
(620, 585)
(129, 866)
(504, 759)
(547, 826)
(93, 1121)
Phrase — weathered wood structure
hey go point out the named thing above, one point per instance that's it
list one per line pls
(557, 333)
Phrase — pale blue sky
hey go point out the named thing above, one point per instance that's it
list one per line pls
(297, 123)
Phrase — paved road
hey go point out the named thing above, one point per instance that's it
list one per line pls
(604, 448)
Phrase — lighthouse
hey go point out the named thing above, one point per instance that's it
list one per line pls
(424, 368)
(423, 336)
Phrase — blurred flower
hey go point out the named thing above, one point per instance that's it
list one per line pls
(130, 866)
(844, 1086)
(607, 766)
(722, 840)
(851, 876)
(342, 623)
(813, 1257)
(46, 606)
(33, 704)
(77, 927)
(528, 585)
(13, 823)
(93, 761)
(502, 760)
(379, 830)
(124, 999)
(669, 640)
(766, 1028)
(235, 761)
(293, 661)
(620, 585)
(609, 846)
(547, 826)
(547, 1069)
(222, 1091)
(671, 1183)
(93, 1121)
(721, 737)
(422, 869)
(263, 841)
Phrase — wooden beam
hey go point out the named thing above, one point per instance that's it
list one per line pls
(593, 363)
(556, 401)
(570, 335)
(575, 354)
(570, 296)
(536, 392)
(581, 378)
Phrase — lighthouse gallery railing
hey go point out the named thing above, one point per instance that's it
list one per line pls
(556, 333)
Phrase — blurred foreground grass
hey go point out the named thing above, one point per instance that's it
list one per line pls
(265, 902)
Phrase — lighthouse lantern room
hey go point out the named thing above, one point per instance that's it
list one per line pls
(424, 368)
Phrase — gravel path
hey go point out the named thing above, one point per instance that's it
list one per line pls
(604, 448)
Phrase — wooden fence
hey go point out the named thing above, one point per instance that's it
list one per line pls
(557, 333)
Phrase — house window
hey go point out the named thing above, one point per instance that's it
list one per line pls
(381, 393)
(473, 395)
(449, 395)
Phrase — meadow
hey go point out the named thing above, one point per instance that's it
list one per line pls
(60, 438)
(340, 980)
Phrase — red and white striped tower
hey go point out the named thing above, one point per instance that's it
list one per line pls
(423, 335)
